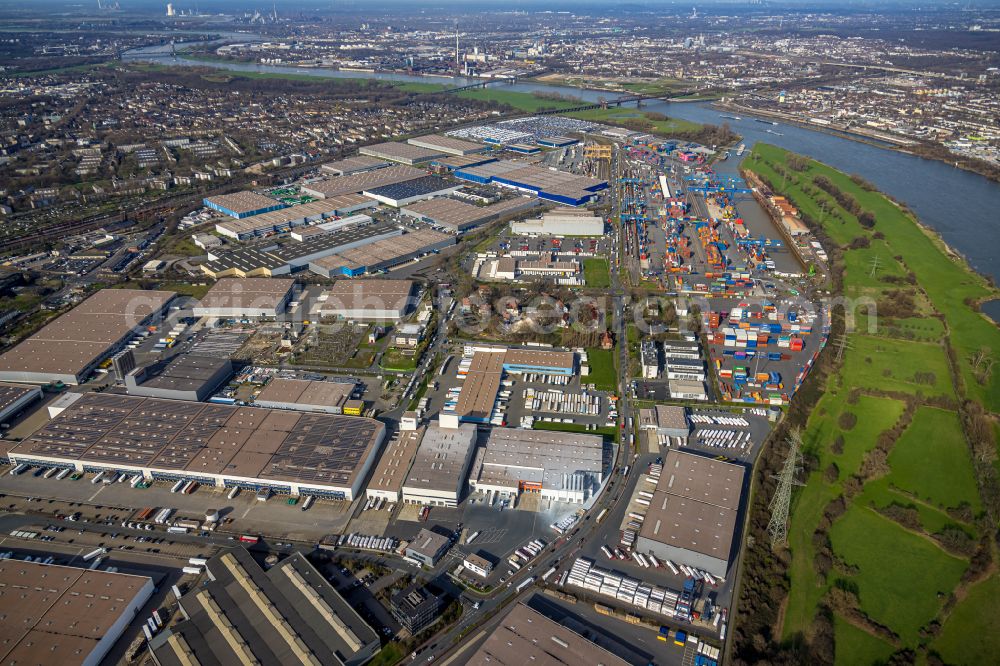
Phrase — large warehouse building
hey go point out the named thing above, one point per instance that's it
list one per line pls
(352, 165)
(359, 182)
(242, 204)
(447, 144)
(563, 467)
(390, 473)
(64, 615)
(525, 636)
(219, 445)
(404, 153)
(558, 186)
(236, 298)
(441, 466)
(69, 348)
(459, 216)
(411, 191)
(14, 398)
(482, 370)
(289, 614)
(305, 395)
(562, 222)
(382, 255)
(295, 216)
(184, 377)
(368, 300)
(273, 258)
(692, 517)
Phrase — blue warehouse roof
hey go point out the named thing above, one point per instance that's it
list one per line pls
(412, 188)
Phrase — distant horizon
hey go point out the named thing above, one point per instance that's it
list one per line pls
(356, 6)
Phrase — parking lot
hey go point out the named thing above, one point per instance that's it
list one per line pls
(247, 515)
(520, 245)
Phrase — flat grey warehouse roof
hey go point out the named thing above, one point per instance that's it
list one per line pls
(703, 479)
(305, 392)
(208, 439)
(185, 372)
(243, 202)
(696, 505)
(357, 183)
(247, 293)
(525, 636)
(77, 339)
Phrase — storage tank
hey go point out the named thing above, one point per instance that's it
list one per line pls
(212, 515)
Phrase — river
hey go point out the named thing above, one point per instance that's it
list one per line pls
(961, 206)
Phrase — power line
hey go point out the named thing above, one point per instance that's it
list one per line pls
(777, 527)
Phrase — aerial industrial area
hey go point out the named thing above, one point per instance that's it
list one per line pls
(331, 336)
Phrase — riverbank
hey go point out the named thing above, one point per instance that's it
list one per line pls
(660, 89)
(872, 140)
(886, 142)
(890, 538)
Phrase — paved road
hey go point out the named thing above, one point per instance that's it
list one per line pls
(447, 646)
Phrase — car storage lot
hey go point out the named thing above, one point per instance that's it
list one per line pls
(273, 518)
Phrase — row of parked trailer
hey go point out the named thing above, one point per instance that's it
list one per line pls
(152, 625)
(366, 542)
(185, 487)
(526, 553)
(709, 419)
(586, 575)
(668, 441)
(377, 504)
(725, 439)
(650, 561)
(9, 555)
(557, 402)
(539, 378)
(24, 534)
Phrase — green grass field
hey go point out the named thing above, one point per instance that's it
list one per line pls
(874, 416)
(971, 635)
(393, 359)
(610, 433)
(518, 100)
(613, 114)
(596, 273)
(602, 369)
(892, 365)
(900, 575)
(931, 460)
(880, 494)
(903, 577)
(948, 282)
(856, 647)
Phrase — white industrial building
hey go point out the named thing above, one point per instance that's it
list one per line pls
(565, 467)
(681, 389)
(562, 221)
(692, 517)
(368, 300)
(478, 565)
(441, 466)
(246, 297)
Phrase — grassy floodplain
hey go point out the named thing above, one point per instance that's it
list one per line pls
(889, 535)
(613, 114)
